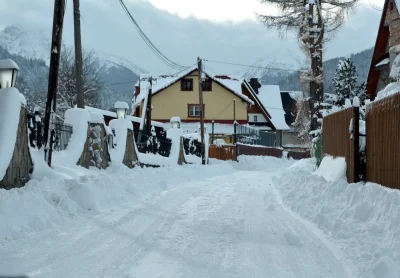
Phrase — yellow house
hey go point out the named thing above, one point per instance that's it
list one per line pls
(178, 95)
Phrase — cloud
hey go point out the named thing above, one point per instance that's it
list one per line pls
(105, 27)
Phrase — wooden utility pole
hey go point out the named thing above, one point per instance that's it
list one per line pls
(148, 107)
(55, 52)
(203, 147)
(234, 120)
(78, 56)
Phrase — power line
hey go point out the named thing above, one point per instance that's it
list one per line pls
(250, 66)
(146, 39)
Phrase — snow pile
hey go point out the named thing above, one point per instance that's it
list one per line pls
(42, 205)
(96, 118)
(121, 105)
(395, 70)
(362, 220)
(79, 119)
(389, 90)
(121, 132)
(10, 108)
(174, 134)
(332, 169)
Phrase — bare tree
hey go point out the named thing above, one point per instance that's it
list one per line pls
(92, 85)
(313, 20)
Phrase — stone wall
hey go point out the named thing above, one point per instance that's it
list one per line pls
(21, 165)
(95, 152)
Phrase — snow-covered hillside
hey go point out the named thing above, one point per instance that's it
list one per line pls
(35, 43)
(26, 43)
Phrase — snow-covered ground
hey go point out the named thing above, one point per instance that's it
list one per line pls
(261, 217)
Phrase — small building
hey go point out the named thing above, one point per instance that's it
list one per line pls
(267, 110)
(387, 47)
(178, 95)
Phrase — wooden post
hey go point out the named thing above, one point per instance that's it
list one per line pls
(78, 56)
(148, 108)
(55, 52)
(203, 147)
(356, 134)
(234, 121)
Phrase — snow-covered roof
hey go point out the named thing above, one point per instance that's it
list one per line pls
(270, 97)
(163, 81)
(8, 64)
(114, 115)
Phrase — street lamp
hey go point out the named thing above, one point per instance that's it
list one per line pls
(122, 109)
(8, 73)
(175, 122)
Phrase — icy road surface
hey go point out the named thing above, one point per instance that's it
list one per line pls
(225, 226)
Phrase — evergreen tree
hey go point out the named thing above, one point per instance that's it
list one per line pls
(345, 81)
(345, 85)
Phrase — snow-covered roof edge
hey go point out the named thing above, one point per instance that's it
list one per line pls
(130, 118)
(175, 78)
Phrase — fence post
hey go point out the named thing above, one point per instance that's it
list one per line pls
(356, 135)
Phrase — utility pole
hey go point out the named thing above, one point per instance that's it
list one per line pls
(78, 56)
(203, 147)
(148, 108)
(234, 120)
(55, 52)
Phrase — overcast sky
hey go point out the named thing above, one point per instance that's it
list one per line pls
(224, 30)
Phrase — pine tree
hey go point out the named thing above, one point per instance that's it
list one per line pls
(345, 83)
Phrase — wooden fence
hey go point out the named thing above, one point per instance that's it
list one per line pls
(225, 152)
(262, 151)
(340, 138)
(383, 142)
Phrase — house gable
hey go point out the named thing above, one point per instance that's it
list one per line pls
(218, 103)
(387, 38)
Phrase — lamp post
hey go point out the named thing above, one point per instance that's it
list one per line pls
(122, 109)
(8, 73)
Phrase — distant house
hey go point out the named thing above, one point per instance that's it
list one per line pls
(267, 110)
(387, 46)
(178, 95)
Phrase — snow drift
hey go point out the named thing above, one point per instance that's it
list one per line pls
(363, 220)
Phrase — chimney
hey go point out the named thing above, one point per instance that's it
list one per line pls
(255, 84)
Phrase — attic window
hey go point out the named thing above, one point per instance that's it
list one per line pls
(391, 5)
(187, 84)
(207, 85)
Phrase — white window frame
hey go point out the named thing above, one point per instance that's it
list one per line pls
(193, 110)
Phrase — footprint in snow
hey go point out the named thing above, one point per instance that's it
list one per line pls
(293, 239)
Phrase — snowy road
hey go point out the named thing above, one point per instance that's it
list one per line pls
(225, 226)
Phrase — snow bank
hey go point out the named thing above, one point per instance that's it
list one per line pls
(42, 205)
(332, 169)
(363, 220)
(263, 163)
(10, 108)
(121, 132)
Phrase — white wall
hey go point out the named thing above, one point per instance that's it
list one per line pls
(260, 118)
